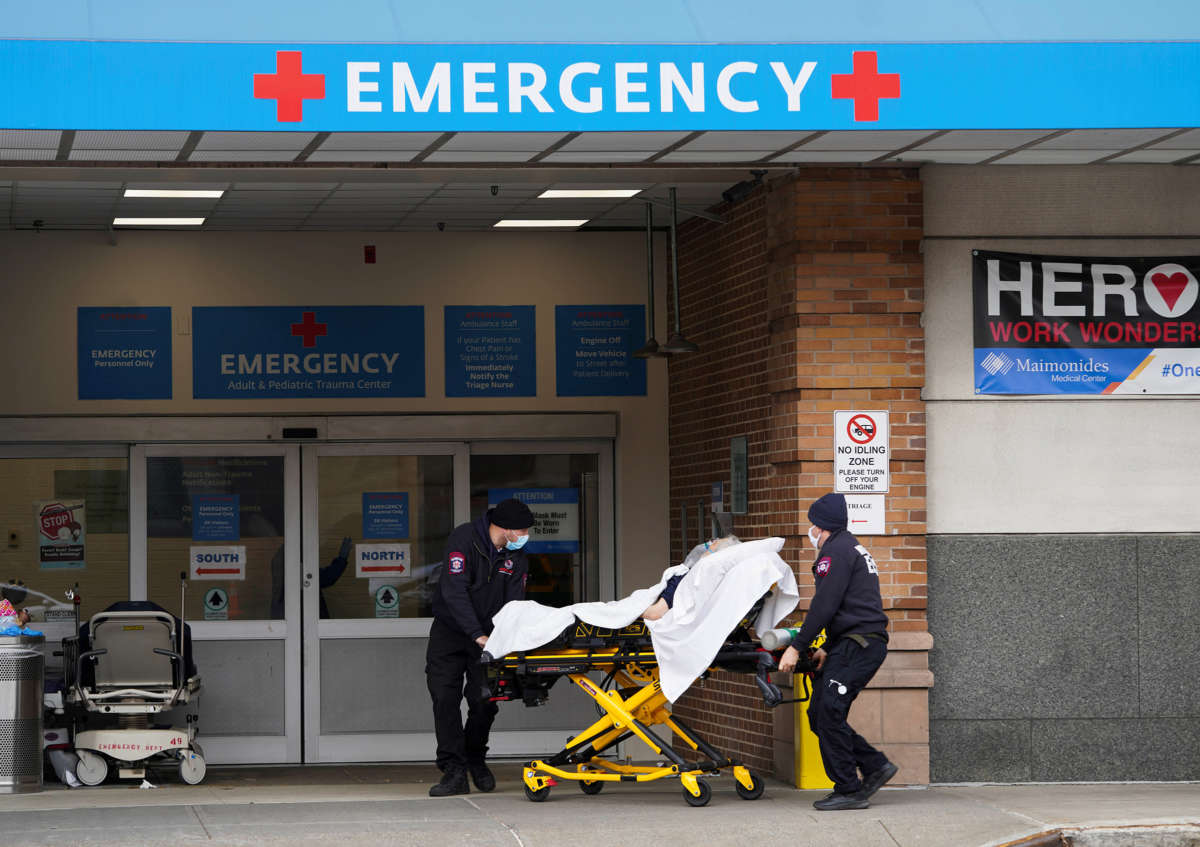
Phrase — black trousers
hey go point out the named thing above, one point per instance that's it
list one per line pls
(452, 669)
(848, 668)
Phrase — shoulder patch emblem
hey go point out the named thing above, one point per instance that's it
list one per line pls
(457, 562)
(823, 566)
(507, 567)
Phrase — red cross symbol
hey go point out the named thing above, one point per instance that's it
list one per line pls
(289, 87)
(866, 86)
(309, 329)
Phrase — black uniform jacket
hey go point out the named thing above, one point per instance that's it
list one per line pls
(847, 598)
(477, 579)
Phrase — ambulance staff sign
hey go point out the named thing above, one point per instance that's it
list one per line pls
(1068, 325)
(860, 463)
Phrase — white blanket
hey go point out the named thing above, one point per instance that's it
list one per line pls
(709, 602)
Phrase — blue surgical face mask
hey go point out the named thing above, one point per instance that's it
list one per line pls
(518, 544)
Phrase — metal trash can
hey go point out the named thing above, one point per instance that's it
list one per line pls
(22, 671)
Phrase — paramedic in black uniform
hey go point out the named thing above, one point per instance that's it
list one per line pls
(847, 605)
(484, 568)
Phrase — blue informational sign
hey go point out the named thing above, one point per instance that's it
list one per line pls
(555, 514)
(385, 514)
(490, 351)
(124, 352)
(593, 350)
(308, 351)
(380, 87)
(216, 517)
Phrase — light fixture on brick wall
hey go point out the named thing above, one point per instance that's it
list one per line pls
(650, 349)
(676, 343)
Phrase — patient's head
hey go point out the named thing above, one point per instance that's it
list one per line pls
(708, 547)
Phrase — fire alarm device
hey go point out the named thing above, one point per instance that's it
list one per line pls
(369, 254)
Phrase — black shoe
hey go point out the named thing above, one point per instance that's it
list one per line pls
(454, 781)
(483, 778)
(874, 781)
(836, 802)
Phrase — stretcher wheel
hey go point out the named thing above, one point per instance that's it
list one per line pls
(538, 796)
(705, 794)
(192, 766)
(92, 768)
(592, 788)
(754, 791)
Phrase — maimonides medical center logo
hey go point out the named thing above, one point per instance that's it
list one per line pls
(289, 86)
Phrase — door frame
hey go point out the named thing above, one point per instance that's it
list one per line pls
(239, 749)
(359, 747)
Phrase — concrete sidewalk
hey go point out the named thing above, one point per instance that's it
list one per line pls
(389, 805)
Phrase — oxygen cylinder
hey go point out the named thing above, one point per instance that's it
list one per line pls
(777, 639)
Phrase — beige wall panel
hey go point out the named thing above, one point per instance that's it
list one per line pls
(1065, 463)
(47, 275)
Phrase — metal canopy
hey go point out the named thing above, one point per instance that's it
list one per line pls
(413, 181)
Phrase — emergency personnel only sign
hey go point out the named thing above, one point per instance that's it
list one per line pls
(860, 463)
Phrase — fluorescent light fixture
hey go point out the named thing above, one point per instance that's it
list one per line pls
(157, 221)
(171, 192)
(539, 224)
(587, 193)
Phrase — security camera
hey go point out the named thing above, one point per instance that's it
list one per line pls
(441, 225)
(495, 189)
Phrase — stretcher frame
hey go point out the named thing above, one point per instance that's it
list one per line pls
(630, 707)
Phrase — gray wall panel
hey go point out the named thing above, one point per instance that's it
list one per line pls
(1032, 626)
(979, 751)
(243, 690)
(1148, 749)
(1169, 633)
(1064, 657)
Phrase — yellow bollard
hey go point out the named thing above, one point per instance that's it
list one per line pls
(809, 770)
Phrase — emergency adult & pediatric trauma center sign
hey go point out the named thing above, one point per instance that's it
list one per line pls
(1086, 325)
(143, 85)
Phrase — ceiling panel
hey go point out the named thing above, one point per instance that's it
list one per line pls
(623, 141)
(1102, 139)
(534, 142)
(26, 154)
(1153, 155)
(266, 141)
(243, 155)
(30, 138)
(1042, 156)
(984, 139)
(88, 139)
(686, 154)
(600, 157)
(804, 154)
(92, 155)
(481, 156)
(947, 157)
(323, 155)
(1189, 140)
(764, 140)
(884, 140)
(416, 141)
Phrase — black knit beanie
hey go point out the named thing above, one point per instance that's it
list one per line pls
(513, 514)
(829, 512)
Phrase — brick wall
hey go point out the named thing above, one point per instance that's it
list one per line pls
(808, 300)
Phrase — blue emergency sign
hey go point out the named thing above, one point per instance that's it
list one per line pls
(102, 85)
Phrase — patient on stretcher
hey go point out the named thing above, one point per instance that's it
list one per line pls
(667, 599)
(688, 613)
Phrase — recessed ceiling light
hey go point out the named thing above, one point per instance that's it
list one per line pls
(540, 224)
(586, 193)
(157, 221)
(171, 192)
